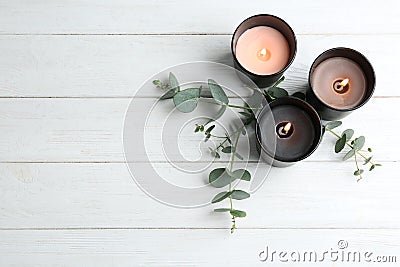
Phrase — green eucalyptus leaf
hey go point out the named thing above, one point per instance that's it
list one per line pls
(277, 92)
(207, 137)
(299, 95)
(219, 177)
(238, 156)
(367, 160)
(222, 210)
(349, 134)
(242, 174)
(267, 96)
(358, 172)
(173, 82)
(349, 154)
(378, 164)
(246, 114)
(247, 121)
(238, 213)
(369, 149)
(217, 92)
(186, 100)
(333, 124)
(359, 142)
(255, 100)
(214, 153)
(227, 149)
(372, 167)
(240, 194)
(221, 196)
(169, 94)
(340, 143)
(209, 129)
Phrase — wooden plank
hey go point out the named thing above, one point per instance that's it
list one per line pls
(306, 195)
(132, 17)
(90, 130)
(192, 247)
(116, 66)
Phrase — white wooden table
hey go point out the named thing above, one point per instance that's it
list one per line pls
(68, 71)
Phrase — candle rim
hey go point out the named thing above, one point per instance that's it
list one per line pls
(366, 98)
(301, 104)
(291, 58)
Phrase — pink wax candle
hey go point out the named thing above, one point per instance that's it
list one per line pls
(262, 50)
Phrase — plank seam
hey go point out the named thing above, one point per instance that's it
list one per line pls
(138, 97)
(143, 161)
(191, 228)
(191, 34)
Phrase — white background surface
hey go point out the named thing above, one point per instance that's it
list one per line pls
(68, 70)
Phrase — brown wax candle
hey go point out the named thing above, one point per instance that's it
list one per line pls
(339, 82)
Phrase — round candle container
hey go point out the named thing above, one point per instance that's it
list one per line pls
(340, 80)
(287, 131)
(263, 47)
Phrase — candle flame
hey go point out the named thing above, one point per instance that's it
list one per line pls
(263, 52)
(287, 127)
(344, 82)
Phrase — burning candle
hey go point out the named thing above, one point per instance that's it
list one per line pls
(288, 130)
(341, 80)
(284, 129)
(263, 47)
(262, 50)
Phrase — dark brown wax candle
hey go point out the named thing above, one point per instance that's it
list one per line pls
(288, 131)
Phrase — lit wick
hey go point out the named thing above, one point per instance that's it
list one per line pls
(284, 129)
(344, 82)
(341, 86)
(263, 54)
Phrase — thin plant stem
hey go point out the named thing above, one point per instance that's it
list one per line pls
(358, 168)
(242, 107)
(210, 101)
(230, 178)
(216, 136)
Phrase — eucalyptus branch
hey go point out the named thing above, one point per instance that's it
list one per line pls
(221, 177)
(355, 145)
(186, 101)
